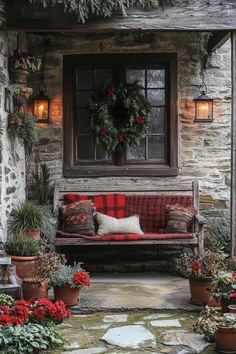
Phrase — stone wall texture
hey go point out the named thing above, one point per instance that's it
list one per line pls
(12, 163)
(204, 149)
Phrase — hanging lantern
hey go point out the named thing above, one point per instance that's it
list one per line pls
(203, 106)
(41, 104)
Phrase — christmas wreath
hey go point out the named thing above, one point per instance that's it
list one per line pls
(119, 117)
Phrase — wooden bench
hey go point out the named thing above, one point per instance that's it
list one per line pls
(197, 240)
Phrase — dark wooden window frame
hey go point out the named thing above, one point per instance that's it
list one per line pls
(121, 169)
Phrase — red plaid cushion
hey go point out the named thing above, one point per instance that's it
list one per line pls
(179, 218)
(109, 204)
(152, 208)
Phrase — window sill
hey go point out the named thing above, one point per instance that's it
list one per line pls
(125, 170)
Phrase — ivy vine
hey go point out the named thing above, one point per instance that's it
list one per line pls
(105, 8)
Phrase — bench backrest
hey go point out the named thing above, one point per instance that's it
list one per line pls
(139, 201)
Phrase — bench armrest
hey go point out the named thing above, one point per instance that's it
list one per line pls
(201, 219)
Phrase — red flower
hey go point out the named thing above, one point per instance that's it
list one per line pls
(104, 132)
(111, 91)
(196, 266)
(139, 120)
(232, 296)
(120, 138)
(81, 279)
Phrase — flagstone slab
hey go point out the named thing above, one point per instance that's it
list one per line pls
(96, 326)
(115, 318)
(72, 346)
(166, 323)
(157, 316)
(133, 336)
(192, 340)
(88, 351)
(178, 350)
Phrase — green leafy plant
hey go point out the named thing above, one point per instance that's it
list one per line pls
(28, 62)
(22, 246)
(224, 285)
(29, 215)
(6, 300)
(41, 186)
(64, 275)
(29, 338)
(208, 265)
(26, 130)
(217, 234)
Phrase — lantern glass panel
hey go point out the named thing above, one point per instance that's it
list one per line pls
(41, 109)
(204, 110)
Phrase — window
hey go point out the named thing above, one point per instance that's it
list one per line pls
(84, 75)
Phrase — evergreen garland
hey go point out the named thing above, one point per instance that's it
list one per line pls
(119, 118)
(105, 8)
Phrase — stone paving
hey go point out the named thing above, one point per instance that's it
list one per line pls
(134, 333)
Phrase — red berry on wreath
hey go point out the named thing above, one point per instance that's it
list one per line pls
(120, 138)
(104, 132)
(139, 120)
(111, 91)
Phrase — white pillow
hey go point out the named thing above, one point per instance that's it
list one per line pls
(109, 225)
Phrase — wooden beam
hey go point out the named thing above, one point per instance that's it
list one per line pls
(217, 39)
(233, 148)
(201, 15)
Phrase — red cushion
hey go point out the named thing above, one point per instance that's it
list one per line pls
(109, 204)
(126, 237)
(152, 208)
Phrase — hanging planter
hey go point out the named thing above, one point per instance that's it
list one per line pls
(23, 64)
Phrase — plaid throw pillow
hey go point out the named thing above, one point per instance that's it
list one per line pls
(179, 218)
(109, 204)
(78, 217)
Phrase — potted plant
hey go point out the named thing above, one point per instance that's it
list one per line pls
(23, 251)
(225, 336)
(224, 289)
(67, 282)
(46, 264)
(200, 271)
(30, 219)
(24, 63)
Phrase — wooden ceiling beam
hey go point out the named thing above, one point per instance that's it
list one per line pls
(201, 15)
(216, 40)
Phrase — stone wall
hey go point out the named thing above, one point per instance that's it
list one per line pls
(12, 164)
(204, 149)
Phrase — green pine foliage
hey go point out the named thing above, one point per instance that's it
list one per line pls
(105, 8)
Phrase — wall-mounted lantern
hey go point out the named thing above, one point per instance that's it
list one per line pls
(41, 104)
(203, 106)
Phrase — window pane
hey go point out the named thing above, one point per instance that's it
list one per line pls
(156, 78)
(85, 147)
(157, 120)
(84, 78)
(82, 98)
(101, 153)
(83, 122)
(137, 152)
(103, 76)
(136, 75)
(156, 97)
(156, 147)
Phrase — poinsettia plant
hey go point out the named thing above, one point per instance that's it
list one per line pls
(207, 265)
(74, 276)
(224, 285)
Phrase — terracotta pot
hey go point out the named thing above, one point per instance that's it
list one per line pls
(21, 76)
(33, 233)
(214, 302)
(232, 309)
(225, 339)
(199, 288)
(33, 289)
(24, 266)
(26, 92)
(70, 296)
(225, 304)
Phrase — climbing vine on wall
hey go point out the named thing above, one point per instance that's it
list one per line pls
(105, 8)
